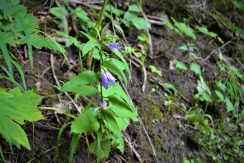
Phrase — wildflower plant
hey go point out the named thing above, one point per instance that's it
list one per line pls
(111, 115)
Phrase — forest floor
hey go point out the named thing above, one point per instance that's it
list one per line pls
(165, 125)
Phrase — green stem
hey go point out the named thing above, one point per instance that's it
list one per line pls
(98, 26)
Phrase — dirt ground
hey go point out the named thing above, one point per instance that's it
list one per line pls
(170, 142)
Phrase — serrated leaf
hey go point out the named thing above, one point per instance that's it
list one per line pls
(85, 122)
(16, 108)
(13, 133)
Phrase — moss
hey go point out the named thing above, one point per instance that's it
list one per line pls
(154, 110)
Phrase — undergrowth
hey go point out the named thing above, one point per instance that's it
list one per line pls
(105, 71)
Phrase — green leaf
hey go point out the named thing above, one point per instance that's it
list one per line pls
(92, 43)
(13, 133)
(180, 65)
(114, 10)
(85, 122)
(205, 31)
(183, 48)
(84, 90)
(134, 8)
(100, 147)
(139, 23)
(204, 93)
(59, 12)
(82, 14)
(229, 105)
(170, 86)
(121, 108)
(110, 122)
(184, 29)
(195, 68)
(221, 85)
(117, 90)
(121, 57)
(84, 78)
(220, 95)
(16, 108)
(155, 70)
(116, 67)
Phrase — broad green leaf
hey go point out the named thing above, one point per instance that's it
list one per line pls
(183, 48)
(117, 90)
(134, 8)
(170, 86)
(16, 108)
(100, 147)
(110, 122)
(220, 95)
(85, 122)
(221, 85)
(116, 67)
(59, 12)
(84, 90)
(205, 31)
(155, 70)
(121, 108)
(138, 22)
(84, 78)
(229, 105)
(115, 11)
(121, 57)
(82, 14)
(92, 43)
(13, 133)
(204, 93)
(180, 65)
(195, 68)
(184, 29)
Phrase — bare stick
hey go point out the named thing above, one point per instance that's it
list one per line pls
(58, 84)
(140, 120)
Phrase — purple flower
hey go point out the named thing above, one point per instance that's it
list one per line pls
(190, 49)
(110, 77)
(114, 46)
(107, 79)
(104, 80)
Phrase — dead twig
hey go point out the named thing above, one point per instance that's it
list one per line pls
(58, 84)
(140, 120)
(144, 73)
(129, 143)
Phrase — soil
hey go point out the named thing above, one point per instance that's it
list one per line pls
(170, 141)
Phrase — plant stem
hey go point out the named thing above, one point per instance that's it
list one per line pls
(98, 27)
